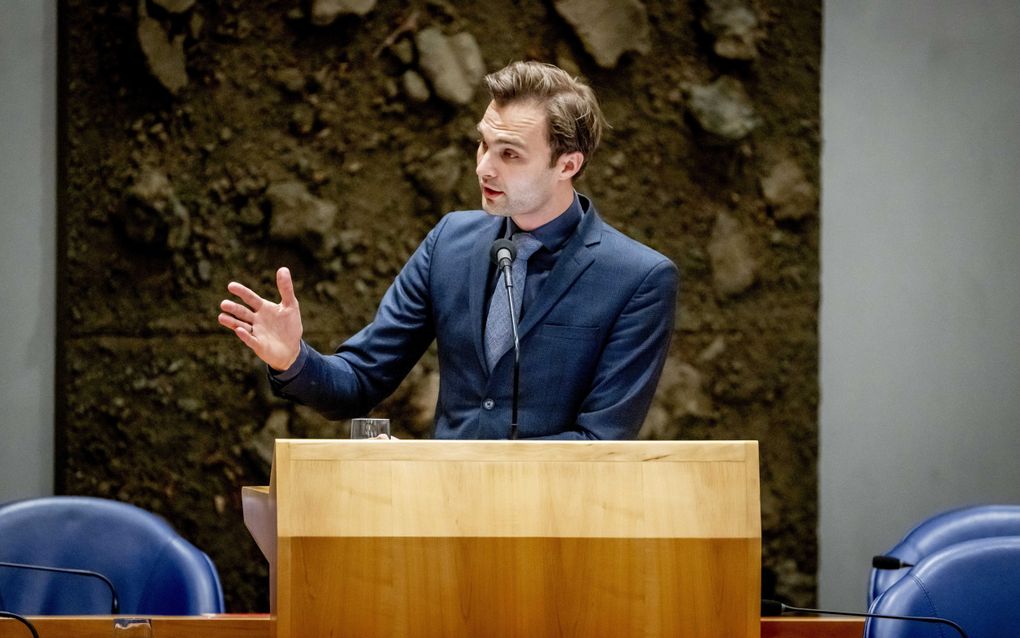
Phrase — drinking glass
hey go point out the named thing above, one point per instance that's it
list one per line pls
(132, 628)
(369, 428)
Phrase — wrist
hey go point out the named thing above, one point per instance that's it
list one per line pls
(291, 365)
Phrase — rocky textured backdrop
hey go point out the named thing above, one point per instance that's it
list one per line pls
(210, 140)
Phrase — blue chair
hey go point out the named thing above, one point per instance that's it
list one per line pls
(155, 571)
(942, 530)
(976, 584)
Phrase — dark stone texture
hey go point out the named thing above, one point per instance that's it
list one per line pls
(169, 196)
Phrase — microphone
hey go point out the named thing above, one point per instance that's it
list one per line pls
(776, 608)
(24, 621)
(114, 603)
(502, 253)
(888, 562)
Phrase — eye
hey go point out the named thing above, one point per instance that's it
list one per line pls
(509, 154)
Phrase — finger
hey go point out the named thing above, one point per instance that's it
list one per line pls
(285, 284)
(246, 337)
(237, 310)
(230, 321)
(247, 295)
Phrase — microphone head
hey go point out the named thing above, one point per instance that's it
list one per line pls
(772, 607)
(502, 249)
(888, 562)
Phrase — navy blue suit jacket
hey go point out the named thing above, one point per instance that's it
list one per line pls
(593, 343)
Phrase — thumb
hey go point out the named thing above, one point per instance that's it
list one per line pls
(285, 285)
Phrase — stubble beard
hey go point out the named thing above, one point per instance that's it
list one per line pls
(507, 206)
(494, 209)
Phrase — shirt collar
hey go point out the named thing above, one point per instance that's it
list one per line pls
(555, 233)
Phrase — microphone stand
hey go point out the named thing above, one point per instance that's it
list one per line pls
(114, 603)
(517, 353)
(776, 608)
(502, 254)
(24, 621)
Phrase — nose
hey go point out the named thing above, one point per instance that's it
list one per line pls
(483, 167)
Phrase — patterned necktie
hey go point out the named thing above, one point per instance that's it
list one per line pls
(499, 336)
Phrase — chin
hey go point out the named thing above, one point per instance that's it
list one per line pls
(494, 210)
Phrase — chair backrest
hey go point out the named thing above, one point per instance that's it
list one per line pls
(942, 530)
(154, 570)
(974, 583)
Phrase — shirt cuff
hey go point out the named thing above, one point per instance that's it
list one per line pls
(283, 376)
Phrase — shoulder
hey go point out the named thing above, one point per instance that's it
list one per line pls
(460, 227)
(466, 220)
(458, 233)
(622, 253)
(632, 249)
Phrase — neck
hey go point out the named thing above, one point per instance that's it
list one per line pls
(557, 205)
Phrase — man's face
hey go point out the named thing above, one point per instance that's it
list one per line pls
(513, 163)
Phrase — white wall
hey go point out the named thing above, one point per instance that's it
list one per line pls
(28, 80)
(920, 319)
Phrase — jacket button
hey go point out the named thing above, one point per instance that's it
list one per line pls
(488, 404)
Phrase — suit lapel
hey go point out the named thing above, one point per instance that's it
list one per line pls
(478, 282)
(577, 256)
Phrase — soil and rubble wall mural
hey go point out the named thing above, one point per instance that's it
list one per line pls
(204, 141)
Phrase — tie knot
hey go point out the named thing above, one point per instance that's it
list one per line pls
(526, 244)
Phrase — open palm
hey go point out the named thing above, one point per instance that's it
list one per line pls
(272, 330)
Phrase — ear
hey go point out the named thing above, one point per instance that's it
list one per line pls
(569, 164)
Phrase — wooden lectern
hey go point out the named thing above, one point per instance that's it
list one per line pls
(505, 538)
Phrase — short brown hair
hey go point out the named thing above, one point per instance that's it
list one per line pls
(575, 121)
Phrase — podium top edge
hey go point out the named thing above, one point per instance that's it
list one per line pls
(558, 451)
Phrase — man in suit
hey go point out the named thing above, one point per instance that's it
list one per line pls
(596, 308)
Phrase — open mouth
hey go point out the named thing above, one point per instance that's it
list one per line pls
(490, 193)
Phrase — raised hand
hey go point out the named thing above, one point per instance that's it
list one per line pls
(272, 330)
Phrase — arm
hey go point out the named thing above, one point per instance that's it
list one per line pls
(631, 362)
(370, 365)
